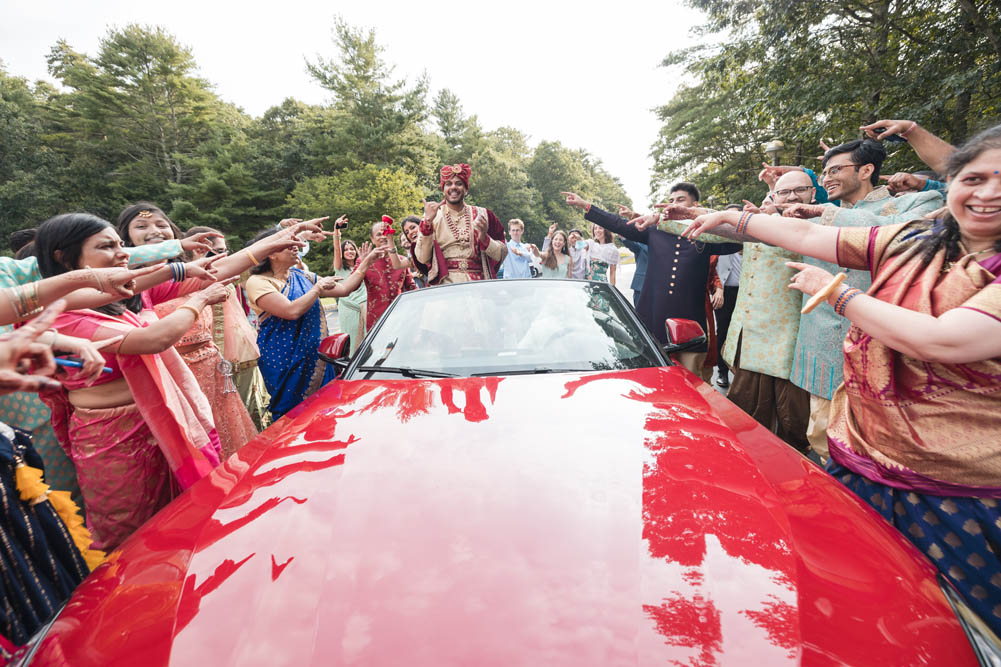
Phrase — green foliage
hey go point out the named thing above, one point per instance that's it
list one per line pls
(136, 121)
(364, 195)
(806, 71)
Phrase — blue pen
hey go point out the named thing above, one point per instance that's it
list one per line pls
(71, 363)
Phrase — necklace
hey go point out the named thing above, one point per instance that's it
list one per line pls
(947, 266)
(461, 234)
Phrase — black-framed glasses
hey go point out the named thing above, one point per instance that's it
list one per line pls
(801, 190)
(835, 170)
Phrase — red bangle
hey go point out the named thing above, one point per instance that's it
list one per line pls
(426, 228)
(587, 209)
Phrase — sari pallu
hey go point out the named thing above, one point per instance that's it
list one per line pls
(165, 392)
(290, 362)
(230, 415)
(922, 426)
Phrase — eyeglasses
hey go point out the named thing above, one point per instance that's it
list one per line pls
(834, 171)
(801, 190)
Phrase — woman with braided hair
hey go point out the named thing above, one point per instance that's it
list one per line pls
(914, 429)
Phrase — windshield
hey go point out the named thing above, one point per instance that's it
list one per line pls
(506, 326)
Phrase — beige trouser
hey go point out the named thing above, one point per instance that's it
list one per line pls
(693, 361)
(816, 429)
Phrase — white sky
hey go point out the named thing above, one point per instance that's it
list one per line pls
(585, 74)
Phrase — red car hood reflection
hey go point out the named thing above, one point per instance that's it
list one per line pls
(611, 518)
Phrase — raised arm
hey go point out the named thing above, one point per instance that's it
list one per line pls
(163, 334)
(609, 221)
(933, 151)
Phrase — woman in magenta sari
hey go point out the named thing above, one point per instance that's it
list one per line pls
(146, 431)
(914, 429)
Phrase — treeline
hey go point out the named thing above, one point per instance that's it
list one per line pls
(135, 122)
(805, 71)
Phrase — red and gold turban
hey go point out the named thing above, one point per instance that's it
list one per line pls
(463, 171)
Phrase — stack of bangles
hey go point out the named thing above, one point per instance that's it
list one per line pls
(177, 270)
(742, 221)
(24, 300)
(846, 295)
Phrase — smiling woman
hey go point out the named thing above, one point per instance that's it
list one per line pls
(913, 429)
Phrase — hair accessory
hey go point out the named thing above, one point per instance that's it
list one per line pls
(144, 214)
(387, 227)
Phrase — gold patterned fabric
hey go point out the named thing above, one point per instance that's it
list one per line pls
(123, 474)
(905, 422)
(456, 243)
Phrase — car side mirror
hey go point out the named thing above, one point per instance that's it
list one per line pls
(336, 350)
(683, 335)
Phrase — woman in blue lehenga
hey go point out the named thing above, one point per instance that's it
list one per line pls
(292, 324)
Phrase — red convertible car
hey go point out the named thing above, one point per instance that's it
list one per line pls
(514, 473)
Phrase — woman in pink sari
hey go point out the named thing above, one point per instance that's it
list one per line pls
(144, 223)
(146, 431)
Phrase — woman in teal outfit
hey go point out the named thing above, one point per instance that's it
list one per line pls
(350, 308)
(556, 260)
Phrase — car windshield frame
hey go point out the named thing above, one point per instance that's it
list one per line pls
(364, 357)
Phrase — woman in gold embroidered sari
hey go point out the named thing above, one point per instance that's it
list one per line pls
(914, 429)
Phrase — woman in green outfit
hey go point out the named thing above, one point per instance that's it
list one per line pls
(556, 260)
(350, 308)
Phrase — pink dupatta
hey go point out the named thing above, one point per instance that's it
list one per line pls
(164, 390)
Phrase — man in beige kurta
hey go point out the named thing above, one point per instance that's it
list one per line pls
(458, 242)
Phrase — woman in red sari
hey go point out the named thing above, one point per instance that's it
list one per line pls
(914, 430)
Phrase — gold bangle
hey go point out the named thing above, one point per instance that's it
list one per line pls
(194, 310)
(251, 256)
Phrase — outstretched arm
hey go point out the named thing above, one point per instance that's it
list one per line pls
(957, 336)
(793, 234)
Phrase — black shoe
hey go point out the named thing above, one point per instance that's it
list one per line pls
(723, 382)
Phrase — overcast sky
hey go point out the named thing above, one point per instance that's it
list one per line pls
(584, 74)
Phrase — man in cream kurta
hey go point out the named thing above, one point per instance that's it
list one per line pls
(459, 242)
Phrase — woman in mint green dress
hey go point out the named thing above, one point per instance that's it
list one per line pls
(556, 260)
(350, 308)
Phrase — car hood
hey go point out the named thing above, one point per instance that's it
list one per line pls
(607, 518)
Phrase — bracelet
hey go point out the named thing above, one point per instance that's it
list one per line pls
(743, 221)
(97, 278)
(194, 310)
(844, 299)
(23, 303)
(904, 134)
(823, 293)
(251, 256)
